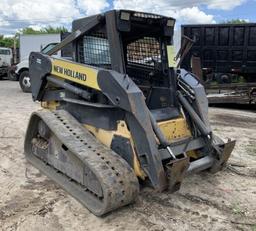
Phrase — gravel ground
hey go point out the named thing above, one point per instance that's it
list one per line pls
(224, 201)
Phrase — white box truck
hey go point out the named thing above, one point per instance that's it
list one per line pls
(29, 43)
(36, 42)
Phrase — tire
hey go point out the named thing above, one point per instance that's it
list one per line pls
(1, 74)
(225, 78)
(24, 81)
(12, 76)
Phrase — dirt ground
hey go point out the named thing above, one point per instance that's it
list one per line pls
(224, 201)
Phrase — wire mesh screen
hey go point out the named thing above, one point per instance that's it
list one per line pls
(94, 50)
(144, 51)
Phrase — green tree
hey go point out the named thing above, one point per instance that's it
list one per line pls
(6, 42)
(235, 21)
(9, 41)
(45, 30)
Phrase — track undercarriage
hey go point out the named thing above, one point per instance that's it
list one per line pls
(66, 152)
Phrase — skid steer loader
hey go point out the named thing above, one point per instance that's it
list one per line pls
(119, 114)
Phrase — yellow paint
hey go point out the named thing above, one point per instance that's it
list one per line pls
(137, 168)
(51, 105)
(175, 129)
(106, 138)
(172, 129)
(69, 70)
(171, 56)
(193, 154)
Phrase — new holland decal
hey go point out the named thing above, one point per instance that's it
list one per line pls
(70, 73)
(78, 73)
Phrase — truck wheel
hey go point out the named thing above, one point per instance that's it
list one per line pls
(225, 78)
(24, 81)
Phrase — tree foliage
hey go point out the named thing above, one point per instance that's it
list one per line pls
(45, 30)
(6, 42)
(9, 41)
(236, 21)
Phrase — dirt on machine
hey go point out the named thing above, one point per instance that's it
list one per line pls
(119, 115)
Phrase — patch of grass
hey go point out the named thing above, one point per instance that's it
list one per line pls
(237, 210)
(251, 149)
(254, 228)
(214, 83)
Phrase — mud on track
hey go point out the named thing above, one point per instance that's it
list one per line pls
(224, 201)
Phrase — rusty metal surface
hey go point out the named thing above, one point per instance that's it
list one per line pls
(196, 67)
(176, 170)
(225, 152)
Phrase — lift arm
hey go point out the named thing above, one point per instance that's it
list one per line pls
(121, 91)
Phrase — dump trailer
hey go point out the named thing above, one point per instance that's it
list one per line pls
(119, 115)
(226, 54)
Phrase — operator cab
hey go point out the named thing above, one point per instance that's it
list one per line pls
(133, 43)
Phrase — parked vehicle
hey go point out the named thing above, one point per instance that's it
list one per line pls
(36, 42)
(21, 70)
(5, 60)
(225, 55)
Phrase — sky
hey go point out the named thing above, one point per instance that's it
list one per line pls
(17, 14)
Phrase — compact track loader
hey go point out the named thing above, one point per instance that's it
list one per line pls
(119, 115)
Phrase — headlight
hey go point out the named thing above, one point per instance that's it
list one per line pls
(170, 22)
(125, 16)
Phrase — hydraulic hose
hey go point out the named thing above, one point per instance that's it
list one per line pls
(194, 116)
(163, 141)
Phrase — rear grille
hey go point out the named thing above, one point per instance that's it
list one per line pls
(93, 49)
(144, 51)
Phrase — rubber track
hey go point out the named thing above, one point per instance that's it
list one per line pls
(118, 181)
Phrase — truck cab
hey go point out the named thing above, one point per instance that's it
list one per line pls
(5, 60)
